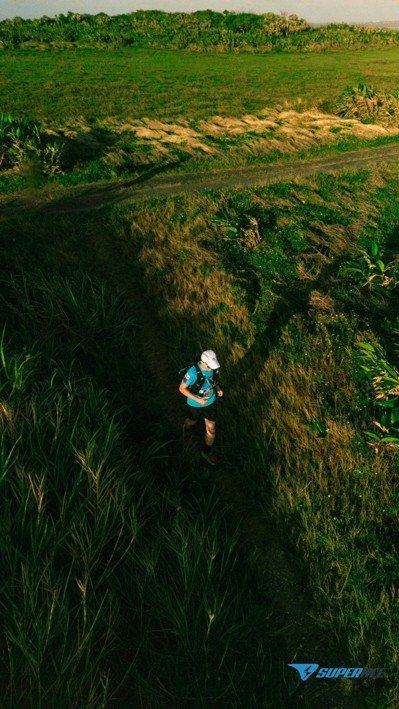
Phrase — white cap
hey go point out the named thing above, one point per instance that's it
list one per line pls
(209, 357)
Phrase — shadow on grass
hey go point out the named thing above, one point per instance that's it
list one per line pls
(87, 245)
(279, 577)
(97, 196)
(147, 394)
(84, 146)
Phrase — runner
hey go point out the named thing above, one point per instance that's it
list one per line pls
(201, 388)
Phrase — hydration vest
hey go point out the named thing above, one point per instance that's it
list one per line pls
(199, 382)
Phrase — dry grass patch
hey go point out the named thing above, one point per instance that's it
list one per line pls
(303, 463)
(321, 302)
(161, 134)
(273, 130)
(298, 129)
(6, 415)
(297, 392)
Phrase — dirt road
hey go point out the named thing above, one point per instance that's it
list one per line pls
(150, 184)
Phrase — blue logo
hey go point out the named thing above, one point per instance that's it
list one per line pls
(307, 670)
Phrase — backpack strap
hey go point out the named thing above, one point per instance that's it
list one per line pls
(196, 386)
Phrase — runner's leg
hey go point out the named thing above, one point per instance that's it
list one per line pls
(210, 432)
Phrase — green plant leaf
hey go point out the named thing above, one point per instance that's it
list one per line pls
(394, 417)
(366, 346)
(374, 249)
(394, 374)
(386, 404)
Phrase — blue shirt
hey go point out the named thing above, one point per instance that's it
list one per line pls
(207, 391)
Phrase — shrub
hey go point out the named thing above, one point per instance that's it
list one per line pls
(199, 31)
(283, 24)
(385, 381)
(364, 103)
(21, 140)
(17, 136)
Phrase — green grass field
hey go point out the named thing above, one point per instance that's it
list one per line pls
(132, 574)
(87, 95)
(132, 83)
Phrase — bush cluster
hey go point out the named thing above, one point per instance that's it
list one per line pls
(364, 103)
(22, 141)
(197, 31)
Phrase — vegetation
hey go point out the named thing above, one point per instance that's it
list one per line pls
(102, 150)
(285, 311)
(386, 392)
(131, 573)
(116, 586)
(57, 87)
(107, 531)
(21, 141)
(195, 121)
(364, 102)
(199, 31)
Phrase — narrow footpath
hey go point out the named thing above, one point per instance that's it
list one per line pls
(152, 185)
(280, 580)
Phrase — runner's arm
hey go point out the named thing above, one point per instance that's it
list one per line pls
(218, 389)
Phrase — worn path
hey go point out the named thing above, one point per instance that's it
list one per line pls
(150, 184)
(280, 580)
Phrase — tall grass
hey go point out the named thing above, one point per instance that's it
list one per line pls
(267, 277)
(21, 141)
(364, 102)
(115, 588)
(60, 446)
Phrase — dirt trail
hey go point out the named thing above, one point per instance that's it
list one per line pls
(150, 184)
(279, 578)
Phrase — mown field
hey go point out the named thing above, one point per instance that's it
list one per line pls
(135, 83)
(132, 572)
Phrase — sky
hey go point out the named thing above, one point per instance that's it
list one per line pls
(311, 10)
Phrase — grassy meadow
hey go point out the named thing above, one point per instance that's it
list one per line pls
(166, 84)
(280, 272)
(133, 574)
(120, 113)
